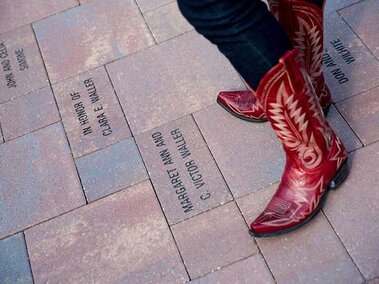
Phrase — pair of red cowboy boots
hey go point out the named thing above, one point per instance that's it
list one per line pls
(293, 96)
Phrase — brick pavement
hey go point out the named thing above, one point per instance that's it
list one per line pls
(108, 107)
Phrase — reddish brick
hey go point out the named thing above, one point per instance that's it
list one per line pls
(362, 113)
(353, 210)
(213, 239)
(343, 130)
(122, 238)
(91, 35)
(22, 69)
(38, 179)
(148, 5)
(28, 113)
(167, 22)
(363, 19)
(334, 5)
(95, 99)
(349, 65)
(111, 169)
(14, 261)
(250, 270)
(17, 13)
(312, 254)
(171, 80)
(249, 155)
(373, 281)
(188, 181)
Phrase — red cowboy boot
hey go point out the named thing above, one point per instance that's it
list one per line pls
(242, 104)
(303, 22)
(315, 157)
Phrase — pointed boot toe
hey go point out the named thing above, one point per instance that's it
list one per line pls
(259, 229)
(242, 104)
(230, 99)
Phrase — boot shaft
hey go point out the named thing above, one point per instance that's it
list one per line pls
(291, 106)
(303, 22)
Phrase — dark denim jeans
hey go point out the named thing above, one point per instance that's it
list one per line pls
(243, 30)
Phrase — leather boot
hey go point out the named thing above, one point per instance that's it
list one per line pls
(316, 160)
(303, 22)
(243, 104)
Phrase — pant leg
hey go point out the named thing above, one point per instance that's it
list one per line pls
(243, 30)
(319, 3)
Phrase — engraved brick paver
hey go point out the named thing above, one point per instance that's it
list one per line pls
(14, 263)
(170, 80)
(91, 114)
(362, 113)
(213, 239)
(182, 170)
(353, 210)
(248, 154)
(28, 113)
(17, 13)
(313, 254)
(363, 19)
(348, 63)
(22, 69)
(83, 38)
(148, 5)
(122, 238)
(38, 179)
(167, 22)
(111, 169)
(250, 270)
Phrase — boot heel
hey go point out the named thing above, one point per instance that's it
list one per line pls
(340, 176)
(326, 110)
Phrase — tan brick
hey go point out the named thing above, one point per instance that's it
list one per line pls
(28, 113)
(247, 271)
(213, 239)
(89, 36)
(353, 210)
(363, 19)
(362, 113)
(17, 13)
(343, 130)
(14, 261)
(332, 6)
(148, 5)
(122, 238)
(38, 179)
(111, 169)
(167, 22)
